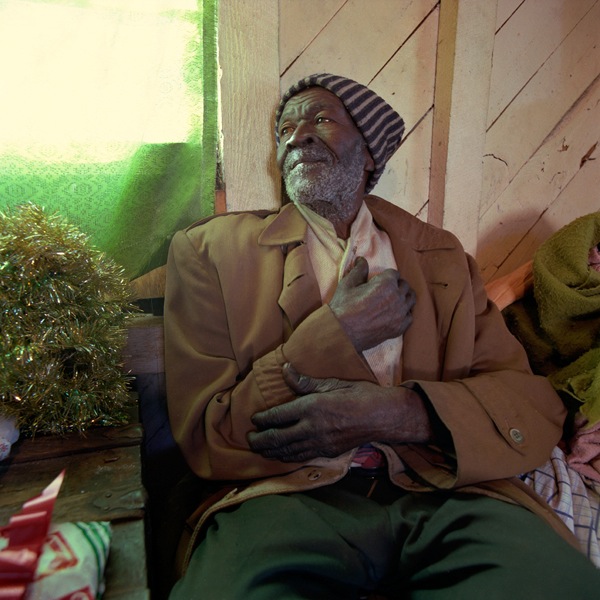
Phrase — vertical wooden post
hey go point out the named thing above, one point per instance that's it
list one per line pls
(249, 62)
(464, 62)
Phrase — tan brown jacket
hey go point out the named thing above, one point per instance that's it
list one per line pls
(242, 299)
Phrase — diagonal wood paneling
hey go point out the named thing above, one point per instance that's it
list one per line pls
(524, 44)
(249, 62)
(535, 112)
(544, 118)
(541, 121)
(464, 60)
(504, 11)
(395, 55)
(301, 21)
(510, 229)
(406, 82)
(358, 40)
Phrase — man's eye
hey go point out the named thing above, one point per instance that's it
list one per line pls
(285, 131)
(320, 120)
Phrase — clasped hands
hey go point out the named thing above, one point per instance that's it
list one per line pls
(331, 416)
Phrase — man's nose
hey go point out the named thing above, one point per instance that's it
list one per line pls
(302, 135)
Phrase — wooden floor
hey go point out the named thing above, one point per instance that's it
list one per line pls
(103, 482)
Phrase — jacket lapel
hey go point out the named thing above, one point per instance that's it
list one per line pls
(435, 285)
(436, 288)
(300, 294)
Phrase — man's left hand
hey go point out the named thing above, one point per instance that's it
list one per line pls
(329, 417)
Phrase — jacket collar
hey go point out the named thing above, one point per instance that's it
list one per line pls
(407, 229)
(410, 238)
(289, 227)
(435, 286)
(300, 294)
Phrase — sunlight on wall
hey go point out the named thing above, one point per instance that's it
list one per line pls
(90, 78)
(108, 116)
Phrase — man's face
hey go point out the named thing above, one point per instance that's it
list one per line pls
(322, 155)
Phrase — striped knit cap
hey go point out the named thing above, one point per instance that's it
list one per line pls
(380, 125)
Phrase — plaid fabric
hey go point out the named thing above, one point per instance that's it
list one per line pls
(575, 499)
(368, 457)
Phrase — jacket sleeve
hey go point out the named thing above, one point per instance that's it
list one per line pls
(502, 419)
(214, 382)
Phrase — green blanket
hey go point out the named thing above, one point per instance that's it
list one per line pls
(559, 323)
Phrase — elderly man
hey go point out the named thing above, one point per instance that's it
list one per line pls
(338, 367)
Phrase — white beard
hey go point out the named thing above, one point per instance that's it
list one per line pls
(328, 189)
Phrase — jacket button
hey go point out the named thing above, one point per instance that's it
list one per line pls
(314, 475)
(516, 436)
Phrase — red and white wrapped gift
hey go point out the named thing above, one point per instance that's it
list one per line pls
(59, 562)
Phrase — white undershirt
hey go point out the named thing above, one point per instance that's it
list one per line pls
(332, 258)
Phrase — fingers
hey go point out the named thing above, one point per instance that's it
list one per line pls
(280, 444)
(409, 294)
(407, 298)
(277, 416)
(281, 434)
(404, 289)
(288, 454)
(301, 384)
(358, 275)
(305, 384)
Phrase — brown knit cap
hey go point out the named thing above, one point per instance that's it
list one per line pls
(380, 125)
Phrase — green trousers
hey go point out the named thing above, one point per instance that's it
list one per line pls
(335, 542)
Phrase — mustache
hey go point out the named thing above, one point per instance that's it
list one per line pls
(307, 154)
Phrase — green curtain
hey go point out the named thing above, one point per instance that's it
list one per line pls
(108, 115)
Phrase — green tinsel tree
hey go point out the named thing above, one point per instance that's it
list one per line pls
(63, 306)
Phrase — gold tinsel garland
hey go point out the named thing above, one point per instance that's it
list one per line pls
(63, 306)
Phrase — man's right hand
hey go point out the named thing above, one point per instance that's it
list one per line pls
(372, 310)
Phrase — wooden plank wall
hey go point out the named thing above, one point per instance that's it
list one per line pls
(249, 67)
(389, 45)
(464, 60)
(513, 114)
(539, 168)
